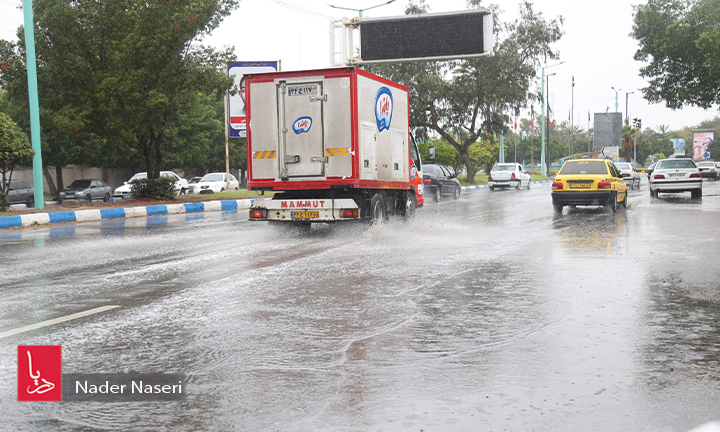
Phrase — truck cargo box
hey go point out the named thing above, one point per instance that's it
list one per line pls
(340, 130)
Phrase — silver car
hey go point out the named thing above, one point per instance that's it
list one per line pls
(86, 189)
(629, 174)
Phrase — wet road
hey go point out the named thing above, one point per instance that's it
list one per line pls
(485, 314)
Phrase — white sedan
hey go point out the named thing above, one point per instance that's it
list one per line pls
(629, 174)
(124, 191)
(505, 175)
(676, 175)
(214, 182)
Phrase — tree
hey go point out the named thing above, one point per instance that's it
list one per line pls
(14, 150)
(468, 101)
(119, 74)
(680, 41)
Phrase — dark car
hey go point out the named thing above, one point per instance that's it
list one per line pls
(86, 189)
(650, 169)
(439, 180)
(20, 192)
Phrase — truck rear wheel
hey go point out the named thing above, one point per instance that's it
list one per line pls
(410, 205)
(377, 208)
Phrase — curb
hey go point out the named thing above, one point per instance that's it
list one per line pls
(121, 213)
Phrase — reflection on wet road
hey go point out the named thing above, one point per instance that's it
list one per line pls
(487, 313)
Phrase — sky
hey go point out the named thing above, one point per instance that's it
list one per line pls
(596, 48)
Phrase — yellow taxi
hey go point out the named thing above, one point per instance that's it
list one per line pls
(589, 182)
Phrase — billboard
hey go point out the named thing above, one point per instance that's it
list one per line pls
(608, 130)
(701, 141)
(236, 104)
(678, 146)
(427, 36)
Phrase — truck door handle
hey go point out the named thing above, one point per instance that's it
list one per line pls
(292, 159)
(319, 159)
(318, 98)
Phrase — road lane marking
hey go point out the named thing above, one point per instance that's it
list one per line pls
(55, 321)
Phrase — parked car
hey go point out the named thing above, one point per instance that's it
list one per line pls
(505, 175)
(708, 169)
(589, 182)
(676, 175)
(439, 180)
(214, 182)
(86, 189)
(125, 191)
(630, 174)
(20, 192)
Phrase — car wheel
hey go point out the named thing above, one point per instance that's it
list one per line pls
(457, 192)
(612, 205)
(377, 209)
(696, 193)
(183, 191)
(518, 185)
(88, 198)
(624, 201)
(106, 198)
(653, 194)
(30, 202)
(237, 189)
(438, 193)
(529, 182)
(558, 207)
(222, 189)
(492, 188)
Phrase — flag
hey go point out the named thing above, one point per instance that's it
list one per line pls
(550, 117)
(516, 124)
(588, 115)
(533, 123)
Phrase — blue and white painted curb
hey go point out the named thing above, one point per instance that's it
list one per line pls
(121, 213)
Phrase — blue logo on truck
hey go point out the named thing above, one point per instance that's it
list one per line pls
(302, 125)
(383, 108)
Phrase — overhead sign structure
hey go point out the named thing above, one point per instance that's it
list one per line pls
(607, 130)
(236, 105)
(419, 37)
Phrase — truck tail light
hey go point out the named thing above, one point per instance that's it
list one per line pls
(258, 214)
(557, 185)
(695, 175)
(604, 185)
(350, 213)
(660, 176)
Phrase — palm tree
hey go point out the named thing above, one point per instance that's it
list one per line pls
(663, 130)
(630, 134)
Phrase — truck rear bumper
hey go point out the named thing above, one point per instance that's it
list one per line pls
(305, 210)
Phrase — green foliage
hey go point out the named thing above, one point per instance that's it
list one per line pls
(160, 188)
(445, 154)
(15, 149)
(680, 42)
(484, 154)
(659, 155)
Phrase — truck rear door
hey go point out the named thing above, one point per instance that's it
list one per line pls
(302, 146)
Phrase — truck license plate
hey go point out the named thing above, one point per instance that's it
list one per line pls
(579, 185)
(305, 215)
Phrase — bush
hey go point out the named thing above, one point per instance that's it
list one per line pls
(160, 188)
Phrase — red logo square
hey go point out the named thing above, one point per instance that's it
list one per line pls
(39, 373)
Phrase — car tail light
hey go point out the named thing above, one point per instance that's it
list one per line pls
(427, 181)
(350, 213)
(626, 175)
(513, 176)
(604, 185)
(490, 176)
(258, 214)
(660, 176)
(695, 175)
(557, 185)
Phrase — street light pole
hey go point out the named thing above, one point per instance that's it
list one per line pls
(627, 113)
(543, 166)
(360, 11)
(616, 96)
